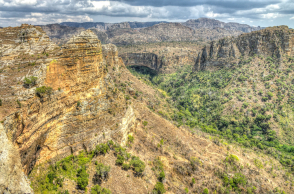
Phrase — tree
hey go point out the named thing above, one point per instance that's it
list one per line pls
(159, 188)
(83, 178)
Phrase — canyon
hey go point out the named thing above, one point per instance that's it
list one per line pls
(84, 96)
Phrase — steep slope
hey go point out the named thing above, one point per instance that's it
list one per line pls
(240, 89)
(88, 121)
(270, 42)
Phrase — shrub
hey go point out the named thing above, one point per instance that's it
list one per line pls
(30, 81)
(126, 166)
(186, 190)
(0, 102)
(232, 159)
(138, 165)
(43, 90)
(18, 102)
(264, 99)
(205, 191)
(158, 188)
(195, 162)
(145, 123)
(102, 171)
(193, 181)
(130, 139)
(258, 163)
(82, 179)
(245, 105)
(99, 190)
(270, 95)
(101, 149)
(65, 192)
(120, 160)
(161, 176)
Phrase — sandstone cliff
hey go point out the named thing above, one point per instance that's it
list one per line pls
(94, 98)
(269, 42)
(12, 179)
(163, 60)
(49, 125)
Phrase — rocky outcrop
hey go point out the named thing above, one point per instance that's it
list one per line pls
(143, 59)
(12, 179)
(166, 62)
(79, 111)
(213, 23)
(272, 42)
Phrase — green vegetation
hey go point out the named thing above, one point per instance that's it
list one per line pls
(83, 178)
(145, 123)
(205, 191)
(50, 179)
(99, 190)
(193, 181)
(30, 81)
(102, 171)
(130, 139)
(41, 91)
(210, 101)
(18, 102)
(159, 188)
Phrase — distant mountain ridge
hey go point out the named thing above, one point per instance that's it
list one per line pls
(106, 26)
(192, 23)
(213, 23)
(126, 33)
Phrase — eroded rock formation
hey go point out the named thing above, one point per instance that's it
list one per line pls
(78, 113)
(269, 42)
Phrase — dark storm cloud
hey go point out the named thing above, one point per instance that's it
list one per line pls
(53, 11)
(237, 4)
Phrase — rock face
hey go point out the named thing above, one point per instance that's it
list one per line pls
(143, 59)
(166, 62)
(12, 179)
(60, 34)
(79, 112)
(272, 42)
(212, 23)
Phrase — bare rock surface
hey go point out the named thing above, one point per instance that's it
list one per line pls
(269, 42)
(12, 178)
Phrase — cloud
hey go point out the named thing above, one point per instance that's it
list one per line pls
(15, 12)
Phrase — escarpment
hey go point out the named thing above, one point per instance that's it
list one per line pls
(76, 105)
(270, 42)
(166, 62)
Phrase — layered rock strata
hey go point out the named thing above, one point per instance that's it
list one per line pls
(269, 42)
(82, 109)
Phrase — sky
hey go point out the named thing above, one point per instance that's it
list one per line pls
(253, 12)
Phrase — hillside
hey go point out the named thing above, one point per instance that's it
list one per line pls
(240, 89)
(212, 23)
(76, 120)
(130, 33)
